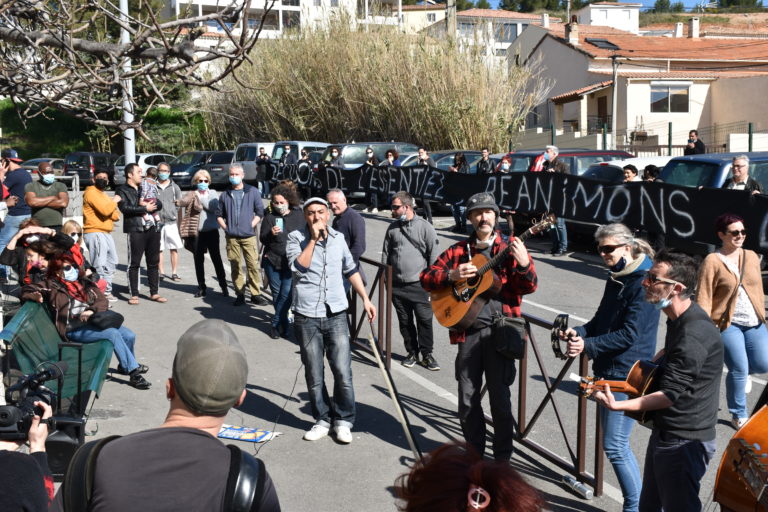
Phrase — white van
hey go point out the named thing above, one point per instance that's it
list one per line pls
(297, 146)
(246, 154)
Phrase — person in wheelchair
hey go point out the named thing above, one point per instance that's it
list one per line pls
(78, 308)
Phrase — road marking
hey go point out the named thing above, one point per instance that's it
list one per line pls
(553, 310)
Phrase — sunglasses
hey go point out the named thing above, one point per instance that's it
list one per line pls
(653, 279)
(202, 181)
(396, 207)
(67, 267)
(737, 232)
(608, 249)
(74, 233)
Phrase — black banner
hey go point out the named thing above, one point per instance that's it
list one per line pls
(682, 213)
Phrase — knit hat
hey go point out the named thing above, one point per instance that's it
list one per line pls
(482, 201)
(210, 369)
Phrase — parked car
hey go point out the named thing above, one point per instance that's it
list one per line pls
(354, 156)
(445, 159)
(56, 163)
(712, 169)
(218, 168)
(245, 155)
(297, 146)
(145, 161)
(613, 170)
(577, 160)
(85, 164)
(184, 166)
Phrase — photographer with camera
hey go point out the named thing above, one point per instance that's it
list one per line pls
(25, 480)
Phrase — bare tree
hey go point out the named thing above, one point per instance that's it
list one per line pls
(67, 55)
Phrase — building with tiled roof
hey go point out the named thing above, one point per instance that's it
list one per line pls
(623, 16)
(688, 81)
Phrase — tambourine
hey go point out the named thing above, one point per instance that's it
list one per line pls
(559, 325)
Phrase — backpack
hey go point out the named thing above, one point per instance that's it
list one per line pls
(245, 482)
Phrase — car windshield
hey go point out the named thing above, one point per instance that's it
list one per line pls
(246, 154)
(690, 173)
(120, 160)
(224, 157)
(186, 158)
(759, 172)
(521, 163)
(584, 162)
(77, 159)
(277, 153)
(610, 173)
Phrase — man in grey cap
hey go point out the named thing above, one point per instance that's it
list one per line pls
(477, 352)
(181, 465)
(320, 260)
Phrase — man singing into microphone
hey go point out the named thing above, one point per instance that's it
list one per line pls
(477, 353)
(320, 260)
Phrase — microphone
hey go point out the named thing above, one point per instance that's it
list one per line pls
(323, 234)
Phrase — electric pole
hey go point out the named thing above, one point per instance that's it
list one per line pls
(129, 138)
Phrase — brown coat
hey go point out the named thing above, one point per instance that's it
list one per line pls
(717, 285)
(56, 296)
(189, 222)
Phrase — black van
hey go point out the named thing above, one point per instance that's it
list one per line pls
(85, 164)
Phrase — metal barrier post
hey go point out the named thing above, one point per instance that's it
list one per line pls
(750, 129)
(669, 139)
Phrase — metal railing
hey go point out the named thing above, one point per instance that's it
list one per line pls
(383, 302)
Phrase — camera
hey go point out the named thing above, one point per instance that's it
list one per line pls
(16, 416)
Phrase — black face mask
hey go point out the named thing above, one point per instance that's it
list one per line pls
(101, 183)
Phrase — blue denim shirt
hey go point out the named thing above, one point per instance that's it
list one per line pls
(322, 284)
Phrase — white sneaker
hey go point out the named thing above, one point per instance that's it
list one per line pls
(343, 434)
(374, 210)
(748, 385)
(737, 423)
(110, 297)
(316, 432)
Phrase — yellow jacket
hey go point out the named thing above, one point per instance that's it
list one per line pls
(99, 211)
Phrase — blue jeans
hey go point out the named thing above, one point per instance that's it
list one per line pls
(280, 284)
(459, 213)
(673, 471)
(616, 431)
(746, 351)
(327, 336)
(122, 340)
(10, 228)
(559, 236)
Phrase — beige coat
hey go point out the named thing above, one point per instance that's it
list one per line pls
(717, 284)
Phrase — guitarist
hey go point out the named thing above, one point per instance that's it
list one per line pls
(622, 331)
(683, 439)
(477, 354)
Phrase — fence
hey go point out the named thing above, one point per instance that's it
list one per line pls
(383, 303)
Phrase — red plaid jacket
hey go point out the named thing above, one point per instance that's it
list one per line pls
(514, 284)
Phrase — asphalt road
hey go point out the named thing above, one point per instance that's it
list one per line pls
(326, 476)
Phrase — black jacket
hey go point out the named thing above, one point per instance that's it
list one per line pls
(485, 167)
(698, 148)
(751, 186)
(132, 212)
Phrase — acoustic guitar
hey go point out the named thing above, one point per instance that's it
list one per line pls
(458, 304)
(640, 381)
(742, 478)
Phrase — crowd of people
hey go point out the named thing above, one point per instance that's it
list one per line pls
(311, 254)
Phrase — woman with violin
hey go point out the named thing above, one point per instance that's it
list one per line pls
(622, 331)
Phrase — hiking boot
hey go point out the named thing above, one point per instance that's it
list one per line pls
(409, 361)
(430, 363)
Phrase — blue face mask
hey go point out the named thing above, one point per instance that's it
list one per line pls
(403, 218)
(618, 267)
(546, 157)
(202, 186)
(235, 180)
(164, 176)
(663, 303)
(48, 178)
(71, 274)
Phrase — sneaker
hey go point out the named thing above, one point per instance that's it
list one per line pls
(373, 210)
(737, 423)
(430, 363)
(316, 432)
(142, 368)
(110, 297)
(343, 434)
(239, 301)
(748, 385)
(409, 361)
(138, 382)
(259, 300)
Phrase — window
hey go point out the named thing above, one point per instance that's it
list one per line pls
(318, 3)
(506, 32)
(431, 17)
(294, 3)
(334, 3)
(291, 19)
(501, 52)
(467, 29)
(669, 98)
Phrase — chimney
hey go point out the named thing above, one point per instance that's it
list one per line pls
(693, 28)
(572, 32)
(545, 20)
(678, 29)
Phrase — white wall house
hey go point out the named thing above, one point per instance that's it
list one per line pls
(621, 16)
(418, 17)
(689, 81)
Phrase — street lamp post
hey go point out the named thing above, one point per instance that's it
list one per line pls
(129, 138)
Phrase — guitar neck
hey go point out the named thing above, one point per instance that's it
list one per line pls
(503, 254)
(617, 386)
